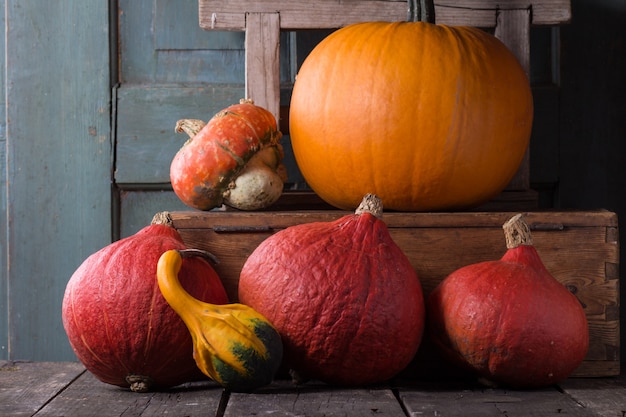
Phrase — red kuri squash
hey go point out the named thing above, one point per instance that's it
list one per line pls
(509, 320)
(343, 296)
(118, 323)
(427, 117)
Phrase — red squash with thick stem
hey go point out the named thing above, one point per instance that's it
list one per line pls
(118, 323)
(509, 320)
(343, 296)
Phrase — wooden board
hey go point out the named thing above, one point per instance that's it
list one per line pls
(89, 397)
(476, 401)
(25, 387)
(580, 248)
(282, 398)
(231, 15)
(58, 146)
(66, 389)
(606, 396)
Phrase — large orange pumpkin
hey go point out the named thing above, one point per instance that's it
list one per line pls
(427, 117)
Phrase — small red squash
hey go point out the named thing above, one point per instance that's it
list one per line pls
(343, 296)
(118, 323)
(509, 320)
(235, 158)
(427, 117)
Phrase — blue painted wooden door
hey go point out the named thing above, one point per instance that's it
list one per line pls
(55, 137)
(170, 69)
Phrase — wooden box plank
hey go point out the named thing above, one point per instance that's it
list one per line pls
(231, 15)
(580, 248)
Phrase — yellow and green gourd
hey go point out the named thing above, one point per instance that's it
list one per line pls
(233, 344)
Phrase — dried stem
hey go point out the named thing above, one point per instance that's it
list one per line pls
(371, 204)
(517, 232)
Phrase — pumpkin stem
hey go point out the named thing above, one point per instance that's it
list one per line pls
(163, 218)
(421, 11)
(517, 232)
(190, 126)
(246, 101)
(371, 204)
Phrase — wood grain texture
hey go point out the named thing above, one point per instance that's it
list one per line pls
(513, 29)
(262, 60)
(146, 117)
(607, 397)
(137, 207)
(66, 389)
(575, 246)
(25, 387)
(88, 397)
(59, 154)
(282, 398)
(216, 15)
(4, 335)
(476, 401)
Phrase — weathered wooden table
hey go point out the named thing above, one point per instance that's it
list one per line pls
(67, 389)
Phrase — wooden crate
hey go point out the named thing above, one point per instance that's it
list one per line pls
(580, 248)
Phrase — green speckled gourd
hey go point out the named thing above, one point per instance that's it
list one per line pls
(233, 344)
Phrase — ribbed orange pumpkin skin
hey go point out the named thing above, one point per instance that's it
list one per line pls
(427, 117)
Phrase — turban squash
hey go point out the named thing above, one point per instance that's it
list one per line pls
(234, 159)
(426, 116)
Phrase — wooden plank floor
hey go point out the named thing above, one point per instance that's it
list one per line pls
(66, 389)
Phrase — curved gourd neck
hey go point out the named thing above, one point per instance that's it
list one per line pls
(168, 267)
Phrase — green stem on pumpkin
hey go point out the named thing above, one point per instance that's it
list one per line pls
(517, 232)
(421, 11)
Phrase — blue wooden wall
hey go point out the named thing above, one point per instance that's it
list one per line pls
(86, 138)
(56, 166)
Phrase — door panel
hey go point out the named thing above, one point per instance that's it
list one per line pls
(58, 165)
(146, 117)
(170, 69)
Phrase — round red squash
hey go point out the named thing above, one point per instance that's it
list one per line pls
(118, 323)
(427, 117)
(509, 320)
(343, 296)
